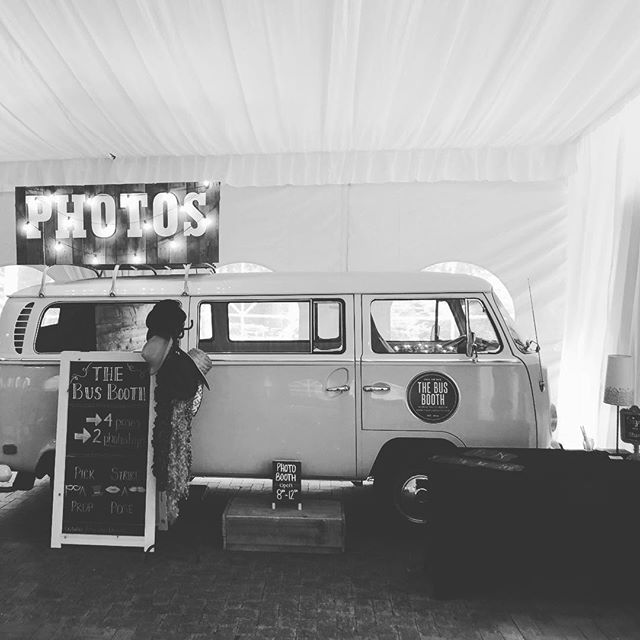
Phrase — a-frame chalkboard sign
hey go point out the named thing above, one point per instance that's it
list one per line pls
(104, 490)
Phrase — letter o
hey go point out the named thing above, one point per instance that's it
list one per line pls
(100, 228)
(170, 202)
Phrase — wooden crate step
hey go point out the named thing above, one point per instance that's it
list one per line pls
(250, 524)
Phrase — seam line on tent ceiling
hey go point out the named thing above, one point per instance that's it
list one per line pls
(442, 150)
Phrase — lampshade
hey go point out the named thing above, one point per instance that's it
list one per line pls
(618, 386)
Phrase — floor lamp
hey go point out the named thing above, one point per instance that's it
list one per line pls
(618, 386)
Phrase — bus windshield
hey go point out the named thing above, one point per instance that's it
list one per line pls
(522, 345)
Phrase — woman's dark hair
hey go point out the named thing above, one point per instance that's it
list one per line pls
(166, 319)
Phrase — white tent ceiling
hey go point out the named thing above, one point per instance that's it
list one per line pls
(310, 92)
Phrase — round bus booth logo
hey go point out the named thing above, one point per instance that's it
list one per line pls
(433, 397)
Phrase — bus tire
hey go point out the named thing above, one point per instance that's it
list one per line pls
(406, 492)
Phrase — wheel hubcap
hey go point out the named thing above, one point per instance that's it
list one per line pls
(413, 498)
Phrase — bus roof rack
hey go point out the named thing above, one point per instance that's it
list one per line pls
(100, 270)
(128, 266)
(137, 267)
(187, 269)
(45, 273)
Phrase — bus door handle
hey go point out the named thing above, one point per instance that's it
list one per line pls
(380, 386)
(341, 389)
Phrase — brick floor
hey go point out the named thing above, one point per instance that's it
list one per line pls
(192, 589)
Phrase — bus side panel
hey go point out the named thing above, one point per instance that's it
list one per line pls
(28, 401)
(260, 411)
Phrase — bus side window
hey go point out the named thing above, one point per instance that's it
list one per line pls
(67, 327)
(485, 335)
(206, 337)
(91, 326)
(328, 326)
(272, 326)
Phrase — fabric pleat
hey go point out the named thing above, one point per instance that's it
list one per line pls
(256, 93)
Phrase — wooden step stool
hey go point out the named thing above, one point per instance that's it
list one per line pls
(250, 524)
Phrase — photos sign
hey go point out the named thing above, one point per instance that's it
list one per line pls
(160, 224)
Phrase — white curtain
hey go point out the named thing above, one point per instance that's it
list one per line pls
(603, 295)
(518, 231)
(284, 228)
(8, 222)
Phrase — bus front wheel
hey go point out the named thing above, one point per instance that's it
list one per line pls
(407, 491)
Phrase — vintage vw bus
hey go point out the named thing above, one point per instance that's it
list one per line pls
(354, 374)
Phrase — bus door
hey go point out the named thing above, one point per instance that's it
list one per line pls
(418, 375)
(282, 385)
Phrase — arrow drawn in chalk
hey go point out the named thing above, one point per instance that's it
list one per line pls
(96, 421)
(84, 436)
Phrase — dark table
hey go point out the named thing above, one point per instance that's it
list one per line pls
(532, 518)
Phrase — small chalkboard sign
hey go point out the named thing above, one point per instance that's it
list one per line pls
(287, 483)
(630, 425)
(104, 490)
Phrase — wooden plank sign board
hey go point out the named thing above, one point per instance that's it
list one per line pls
(104, 490)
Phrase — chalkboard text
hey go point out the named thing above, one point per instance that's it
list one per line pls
(105, 382)
(287, 481)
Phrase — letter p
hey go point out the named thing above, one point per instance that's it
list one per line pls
(38, 211)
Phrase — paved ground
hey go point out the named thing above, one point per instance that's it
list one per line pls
(192, 589)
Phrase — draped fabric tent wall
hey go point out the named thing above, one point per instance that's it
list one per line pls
(362, 135)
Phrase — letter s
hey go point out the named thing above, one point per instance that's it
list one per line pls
(197, 216)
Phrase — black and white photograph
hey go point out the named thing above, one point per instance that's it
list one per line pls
(319, 319)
